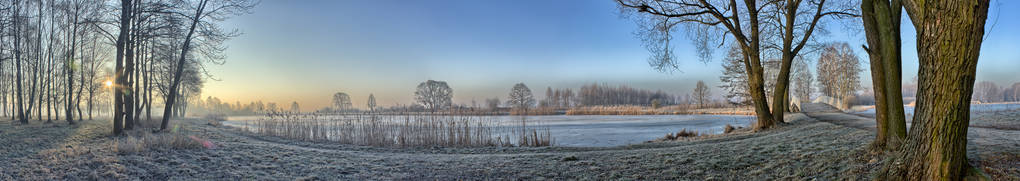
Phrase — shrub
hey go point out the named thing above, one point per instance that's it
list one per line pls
(685, 133)
(681, 134)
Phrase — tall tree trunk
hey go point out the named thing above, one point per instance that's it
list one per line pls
(71, 104)
(3, 79)
(17, 60)
(779, 91)
(882, 28)
(81, 87)
(137, 109)
(752, 64)
(949, 35)
(129, 68)
(147, 88)
(125, 26)
(180, 65)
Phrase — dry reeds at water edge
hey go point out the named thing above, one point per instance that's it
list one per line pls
(407, 130)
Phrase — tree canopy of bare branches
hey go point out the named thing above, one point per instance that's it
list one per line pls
(759, 28)
(342, 102)
(520, 97)
(702, 93)
(434, 95)
(838, 69)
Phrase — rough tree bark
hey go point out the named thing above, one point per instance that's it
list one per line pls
(882, 27)
(949, 35)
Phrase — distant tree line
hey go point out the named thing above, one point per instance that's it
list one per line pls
(604, 95)
(987, 91)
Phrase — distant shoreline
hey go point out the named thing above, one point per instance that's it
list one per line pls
(577, 111)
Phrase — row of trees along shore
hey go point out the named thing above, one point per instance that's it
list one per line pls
(949, 36)
(733, 83)
(437, 96)
(54, 55)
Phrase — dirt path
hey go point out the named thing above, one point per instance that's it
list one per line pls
(827, 113)
(998, 146)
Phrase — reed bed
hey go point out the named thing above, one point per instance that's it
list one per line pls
(407, 130)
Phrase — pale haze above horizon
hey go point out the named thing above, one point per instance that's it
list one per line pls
(307, 51)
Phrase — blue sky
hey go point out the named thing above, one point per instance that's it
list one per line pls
(306, 50)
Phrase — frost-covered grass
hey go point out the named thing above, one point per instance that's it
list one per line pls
(146, 142)
(801, 150)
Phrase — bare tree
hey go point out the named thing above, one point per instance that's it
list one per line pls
(271, 107)
(750, 24)
(1012, 94)
(492, 104)
(371, 102)
(210, 35)
(802, 80)
(702, 93)
(119, 77)
(434, 95)
(521, 97)
(342, 102)
(838, 69)
(986, 91)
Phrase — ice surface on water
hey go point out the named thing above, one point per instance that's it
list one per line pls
(603, 130)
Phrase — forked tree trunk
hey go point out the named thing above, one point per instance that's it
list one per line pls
(949, 35)
(755, 81)
(882, 28)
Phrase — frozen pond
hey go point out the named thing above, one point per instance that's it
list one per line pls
(608, 130)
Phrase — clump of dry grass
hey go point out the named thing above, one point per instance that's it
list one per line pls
(532, 137)
(682, 134)
(409, 130)
(728, 129)
(146, 142)
(215, 119)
